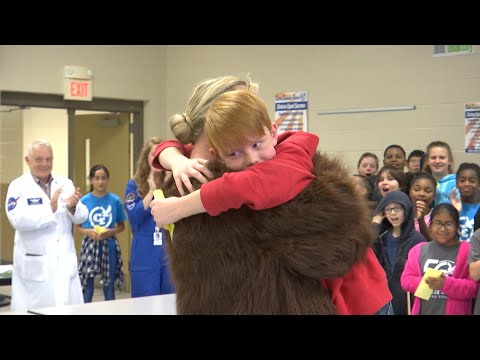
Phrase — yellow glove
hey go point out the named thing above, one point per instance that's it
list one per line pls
(158, 194)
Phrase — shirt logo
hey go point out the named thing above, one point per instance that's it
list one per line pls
(130, 201)
(35, 201)
(12, 203)
(101, 216)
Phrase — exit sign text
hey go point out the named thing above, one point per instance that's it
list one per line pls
(78, 90)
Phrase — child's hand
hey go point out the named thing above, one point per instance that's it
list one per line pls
(378, 218)
(165, 211)
(184, 168)
(435, 283)
(93, 234)
(421, 209)
(456, 200)
(107, 234)
(100, 232)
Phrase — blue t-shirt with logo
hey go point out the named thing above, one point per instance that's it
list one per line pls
(106, 211)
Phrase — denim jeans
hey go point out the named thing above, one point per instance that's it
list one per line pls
(109, 290)
(386, 309)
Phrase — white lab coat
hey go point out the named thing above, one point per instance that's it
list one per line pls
(44, 257)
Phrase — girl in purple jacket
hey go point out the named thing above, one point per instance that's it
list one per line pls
(454, 290)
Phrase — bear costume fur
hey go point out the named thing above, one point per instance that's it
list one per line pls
(271, 261)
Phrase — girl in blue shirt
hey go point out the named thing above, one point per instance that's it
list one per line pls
(439, 163)
(100, 253)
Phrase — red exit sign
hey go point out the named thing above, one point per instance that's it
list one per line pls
(77, 84)
(78, 89)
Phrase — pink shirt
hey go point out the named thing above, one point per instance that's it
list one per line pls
(427, 221)
(459, 288)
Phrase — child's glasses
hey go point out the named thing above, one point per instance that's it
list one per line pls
(449, 225)
(395, 208)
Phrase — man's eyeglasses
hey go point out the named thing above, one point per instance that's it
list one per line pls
(449, 225)
(394, 208)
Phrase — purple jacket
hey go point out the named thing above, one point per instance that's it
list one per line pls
(459, 288)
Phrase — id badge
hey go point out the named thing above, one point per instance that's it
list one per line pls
(157, 237)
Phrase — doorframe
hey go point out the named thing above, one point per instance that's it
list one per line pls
(29, 99)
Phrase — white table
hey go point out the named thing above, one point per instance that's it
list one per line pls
(148, 305)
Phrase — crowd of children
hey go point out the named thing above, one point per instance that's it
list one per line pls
(443, 209)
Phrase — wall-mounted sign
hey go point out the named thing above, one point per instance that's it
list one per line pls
(447, 50)
(77, 83)
(472, 127)
(291, 111)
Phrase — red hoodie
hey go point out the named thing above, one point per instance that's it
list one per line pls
(363, 290)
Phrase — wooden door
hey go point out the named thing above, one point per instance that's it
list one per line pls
(104, 139)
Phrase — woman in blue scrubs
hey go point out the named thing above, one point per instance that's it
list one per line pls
(148, 257)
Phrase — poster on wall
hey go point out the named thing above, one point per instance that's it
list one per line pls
(448, 50)
(291, 111)
(472, 127)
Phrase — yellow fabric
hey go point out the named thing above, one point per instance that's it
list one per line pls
(99, 229)
(158, 194)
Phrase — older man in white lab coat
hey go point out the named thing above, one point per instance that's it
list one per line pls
(42, 207)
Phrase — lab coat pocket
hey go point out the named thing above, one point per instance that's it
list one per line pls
(34, 268)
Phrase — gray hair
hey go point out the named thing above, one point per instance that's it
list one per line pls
(38, 142)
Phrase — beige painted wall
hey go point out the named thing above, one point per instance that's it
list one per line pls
(49, 124)
(345, 77)
(129, 72)
(336, 77)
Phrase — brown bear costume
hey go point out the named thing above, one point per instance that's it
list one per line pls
(271, 261)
